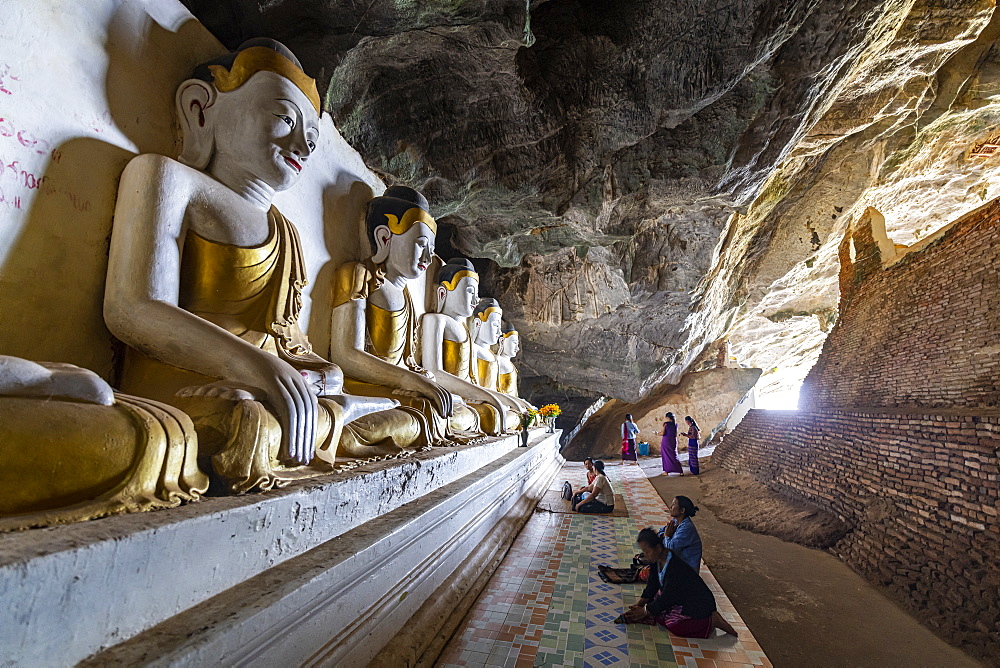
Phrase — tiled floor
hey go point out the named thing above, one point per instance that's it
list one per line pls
(546, 605)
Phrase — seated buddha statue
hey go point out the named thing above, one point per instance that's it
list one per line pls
(507, 350)
(71, 449)
(447, 344)
(205, 278)
(486, 320)
(374, 332)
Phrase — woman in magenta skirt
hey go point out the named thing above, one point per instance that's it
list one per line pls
(668, 447)
(675, 597)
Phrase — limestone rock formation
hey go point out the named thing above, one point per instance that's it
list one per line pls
(708, 395)
(645, 178)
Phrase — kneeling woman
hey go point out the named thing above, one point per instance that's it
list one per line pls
(675, 597)
(600, 498)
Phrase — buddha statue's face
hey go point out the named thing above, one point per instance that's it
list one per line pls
(510, 346)
(488, 332)
(461, 302)
(407, 254)
(264, 130)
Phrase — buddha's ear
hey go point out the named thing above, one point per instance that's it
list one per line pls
(442, 295)
(193, 99)
(382, 236)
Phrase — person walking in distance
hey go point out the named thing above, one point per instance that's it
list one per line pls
(692, 434)
(668, 447)
(629, 431)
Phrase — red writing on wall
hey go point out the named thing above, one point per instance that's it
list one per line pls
(13, 170)
(12, 202)
(23, 137)
(5, 78)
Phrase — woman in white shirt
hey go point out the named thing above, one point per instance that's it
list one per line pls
(602, 496)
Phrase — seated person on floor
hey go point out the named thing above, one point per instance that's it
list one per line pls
(600, 496)
(580, 495)
(680, 536)
(683, 603)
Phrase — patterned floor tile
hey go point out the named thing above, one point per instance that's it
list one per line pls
(547, 606)
(601, 657)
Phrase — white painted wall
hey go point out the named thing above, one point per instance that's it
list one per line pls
(84, 87)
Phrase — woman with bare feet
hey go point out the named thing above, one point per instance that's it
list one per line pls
(683, 603)
(668, 447)
(693, 434)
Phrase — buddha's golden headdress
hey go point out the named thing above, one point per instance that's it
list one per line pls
(258, 55)
(486, 307)
(453, 272)
(399, 208)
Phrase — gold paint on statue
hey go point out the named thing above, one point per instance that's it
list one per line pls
(453, 283)
(410, 218)
(456, 357)
(92, 460)
(507, 383)
(262, 59)
(485, 315)
(457, 360)
(387, 331)
(253, 293)
(486, 373)
(391, 336)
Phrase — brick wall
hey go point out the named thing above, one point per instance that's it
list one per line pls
(919, 491)
(899, 432)
(924, 332)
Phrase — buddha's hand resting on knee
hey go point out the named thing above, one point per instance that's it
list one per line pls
(293, 399)
(419, 386)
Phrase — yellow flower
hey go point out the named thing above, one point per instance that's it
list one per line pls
(550, 410)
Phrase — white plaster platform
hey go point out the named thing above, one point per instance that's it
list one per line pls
(299, 575)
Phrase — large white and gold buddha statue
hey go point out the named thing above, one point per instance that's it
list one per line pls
(71, 449)
(205, 278)
(448, 344)
(375, 332)
(486, 333)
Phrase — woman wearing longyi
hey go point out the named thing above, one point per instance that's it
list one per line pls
(675, 597)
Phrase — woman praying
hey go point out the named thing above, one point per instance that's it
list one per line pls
(680, 535)
(600, 497)
(668, 447)
(675, 596)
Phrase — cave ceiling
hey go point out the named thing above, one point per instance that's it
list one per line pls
(640, 179)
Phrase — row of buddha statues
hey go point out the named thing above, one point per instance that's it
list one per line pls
(219, 387)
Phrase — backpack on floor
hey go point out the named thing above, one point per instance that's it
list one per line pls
(567, 492)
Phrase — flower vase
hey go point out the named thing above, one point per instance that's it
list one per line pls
(551, 424)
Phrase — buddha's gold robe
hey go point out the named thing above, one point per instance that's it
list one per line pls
(487, 375)
(393, 337)
(507, 383)
(254, 293)
(456, 358)
(66, 461)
